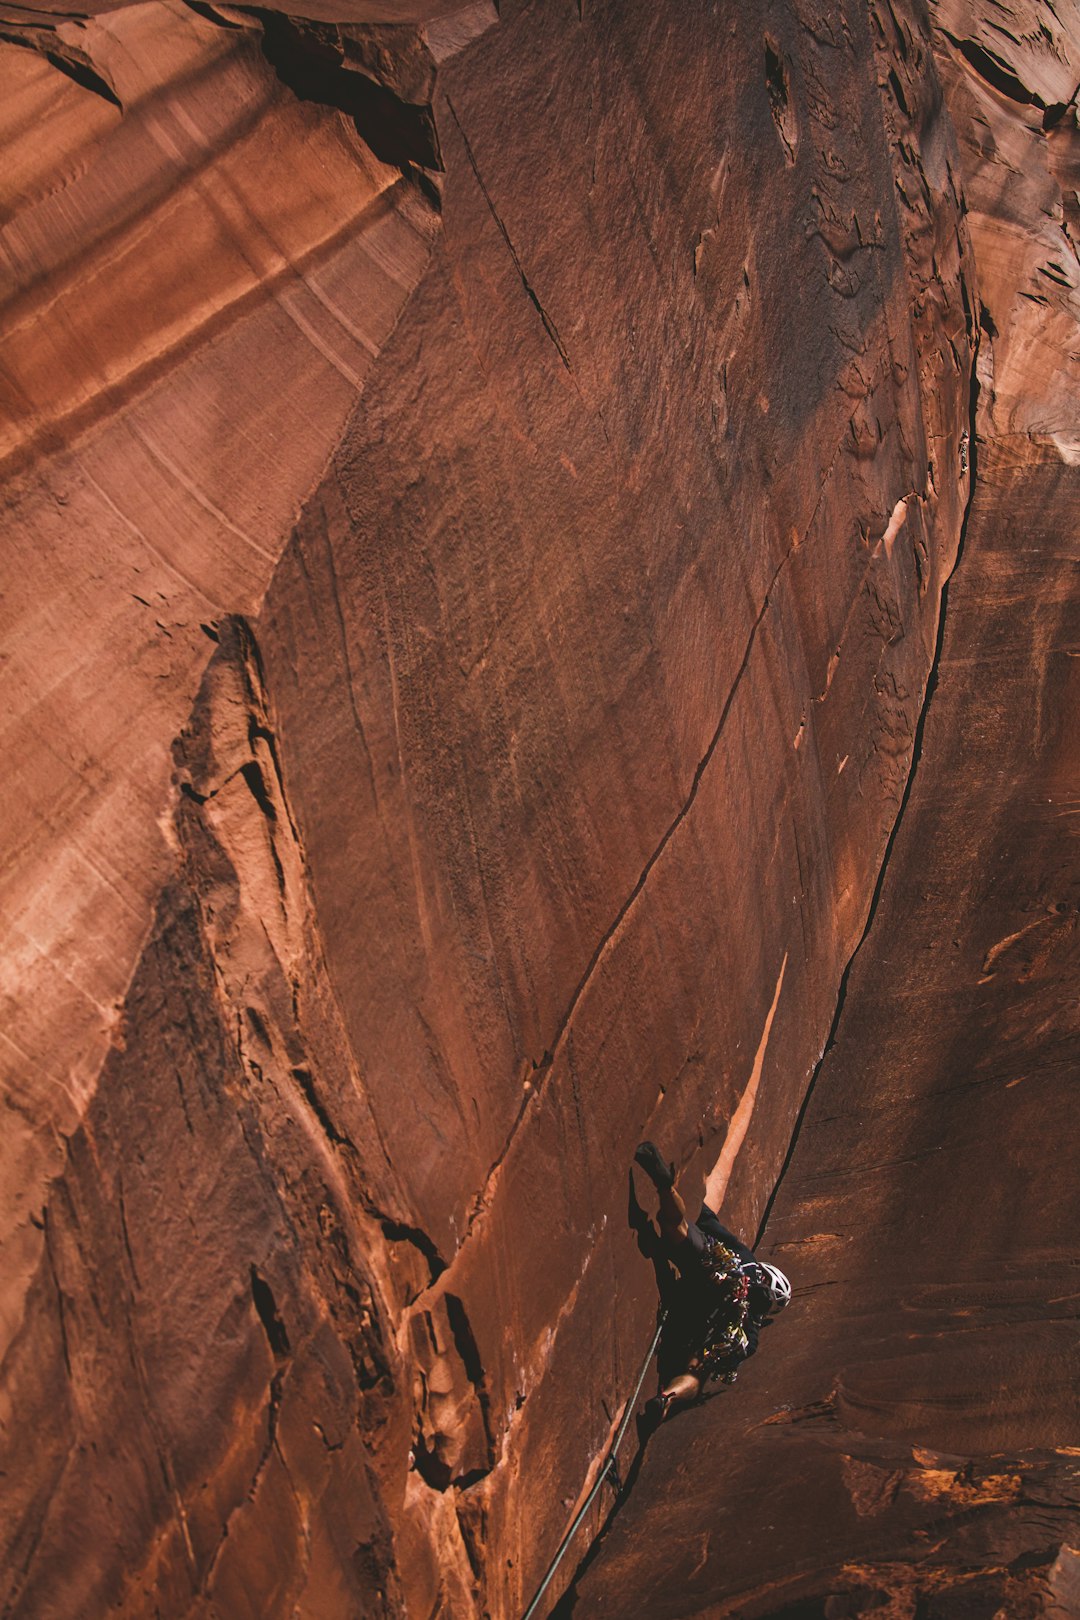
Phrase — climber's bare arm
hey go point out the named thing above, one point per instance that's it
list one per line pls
(672, 1211)
(672, 1216)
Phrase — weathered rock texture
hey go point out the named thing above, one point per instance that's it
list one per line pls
(480, 497)
(195, 287)
(909, 1445)
(906, 1443)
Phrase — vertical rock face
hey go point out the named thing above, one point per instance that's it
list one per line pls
(921, 1390)
(196, 281)
(1011, 79)
(480, 503)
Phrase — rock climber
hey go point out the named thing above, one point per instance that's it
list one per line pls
(722, 1299)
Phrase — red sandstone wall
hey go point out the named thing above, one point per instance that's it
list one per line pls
(906, 1444)
(567, 502)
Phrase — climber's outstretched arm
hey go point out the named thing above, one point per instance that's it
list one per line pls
(672, 1212)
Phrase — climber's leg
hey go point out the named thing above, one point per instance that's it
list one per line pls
(680, 1391)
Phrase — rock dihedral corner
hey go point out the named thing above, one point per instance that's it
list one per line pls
(580, 697)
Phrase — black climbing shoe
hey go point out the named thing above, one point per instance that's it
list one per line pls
(659, 1172)
(654, 1414)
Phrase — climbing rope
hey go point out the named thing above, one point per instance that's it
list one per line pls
(608, 1468)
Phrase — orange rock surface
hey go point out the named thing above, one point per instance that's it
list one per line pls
(479, 492)
(908, 1444)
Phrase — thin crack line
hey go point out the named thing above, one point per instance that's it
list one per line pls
(549, 325)
(916, 758)
(545, 1064)
(931, 687)
(549, 1057)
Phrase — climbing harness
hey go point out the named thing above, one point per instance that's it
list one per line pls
(725, 1340)
(608, 1471)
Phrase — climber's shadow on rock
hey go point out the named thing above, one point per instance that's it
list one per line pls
(649, 1245)
(650, 1248)
(715, 1296)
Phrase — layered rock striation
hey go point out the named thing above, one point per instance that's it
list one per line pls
(480, 493)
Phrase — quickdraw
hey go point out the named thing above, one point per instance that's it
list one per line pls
(725, 1341)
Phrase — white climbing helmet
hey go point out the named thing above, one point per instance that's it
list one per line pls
(779, 1289)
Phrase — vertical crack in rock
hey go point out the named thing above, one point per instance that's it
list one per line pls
(270, 796)
(259, 950)
(303, 1077)
(468, 1350)
(61, 1310)
(121, 1210)
(777, 82)
(277, 1336)
(543, 1065)
(346, 658)
(453, 1443)
(673, 826)
(548, 324)
(279, 1159)
(916, 755)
